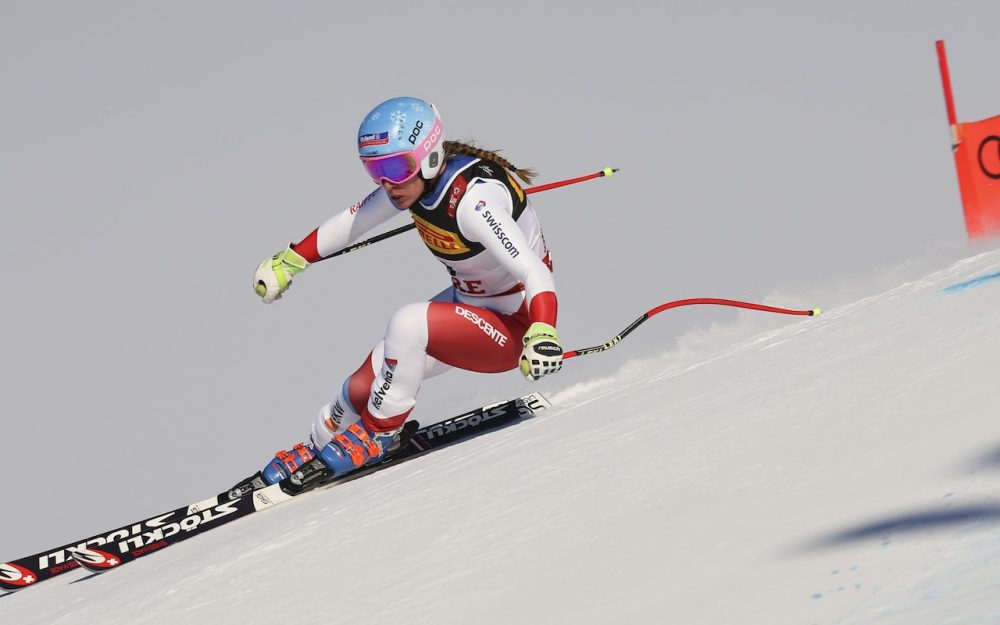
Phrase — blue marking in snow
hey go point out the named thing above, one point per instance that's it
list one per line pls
(971, 284)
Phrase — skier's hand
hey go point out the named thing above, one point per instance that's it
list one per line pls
(542, 353)
(274, 274)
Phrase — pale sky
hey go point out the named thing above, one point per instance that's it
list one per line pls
(152, 153)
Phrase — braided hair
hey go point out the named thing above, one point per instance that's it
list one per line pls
(452, 148)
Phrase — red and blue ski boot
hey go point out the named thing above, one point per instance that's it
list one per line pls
(286, 463)
(356, 447)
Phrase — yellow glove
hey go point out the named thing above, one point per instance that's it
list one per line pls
(542, 353)
(274, 275)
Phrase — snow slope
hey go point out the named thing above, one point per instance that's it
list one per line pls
(838, 469)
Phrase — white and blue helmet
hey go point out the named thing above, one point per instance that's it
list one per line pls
(400, 138)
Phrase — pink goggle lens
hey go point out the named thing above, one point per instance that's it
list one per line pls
(396, 168)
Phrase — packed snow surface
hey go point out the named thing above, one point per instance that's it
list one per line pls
(833, 469)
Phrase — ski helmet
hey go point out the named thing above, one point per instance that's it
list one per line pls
(400, 138)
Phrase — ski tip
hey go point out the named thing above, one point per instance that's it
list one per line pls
(609, 171)
(815, 312)
(94, 560)
(14, 577)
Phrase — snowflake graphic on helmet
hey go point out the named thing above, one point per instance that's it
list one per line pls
(401, 138)
(398, 121)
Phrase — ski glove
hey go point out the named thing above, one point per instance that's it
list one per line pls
(542, 353)
(274, 274)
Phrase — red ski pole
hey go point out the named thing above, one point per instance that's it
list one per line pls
(684, 302)
(607, 171)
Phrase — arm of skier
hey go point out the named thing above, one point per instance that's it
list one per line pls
(274, 275)
(345, 227)
(484, 216)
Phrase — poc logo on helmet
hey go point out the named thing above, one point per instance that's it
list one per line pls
(432, 138)
(416, 132)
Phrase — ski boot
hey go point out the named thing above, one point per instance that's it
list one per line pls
(304, 469)
(285, 463)
(355, 447)
(299, 467)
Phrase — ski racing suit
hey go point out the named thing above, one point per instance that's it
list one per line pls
(479, 223)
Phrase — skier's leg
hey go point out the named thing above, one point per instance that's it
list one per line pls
(425, 339)
(391, 394)
(407, 329)
(475, 338)
(460, 335)
(347, 406)
(422, 340)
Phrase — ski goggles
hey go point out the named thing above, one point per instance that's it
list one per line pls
(396, 168)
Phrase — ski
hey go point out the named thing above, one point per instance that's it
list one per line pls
(111, 549)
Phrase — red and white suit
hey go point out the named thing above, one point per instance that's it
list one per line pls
(478, 222)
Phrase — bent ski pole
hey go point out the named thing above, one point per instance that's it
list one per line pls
(607, 171)
(685, 302)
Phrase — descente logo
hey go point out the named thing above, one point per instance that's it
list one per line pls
(499, 337)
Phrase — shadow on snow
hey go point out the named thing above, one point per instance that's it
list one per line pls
(911, 523)
(987, 461)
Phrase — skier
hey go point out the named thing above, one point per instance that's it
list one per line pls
(498, 314)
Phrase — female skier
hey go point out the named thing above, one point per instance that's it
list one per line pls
(498, 314)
